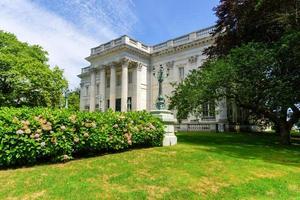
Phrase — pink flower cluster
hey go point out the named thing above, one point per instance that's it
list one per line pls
(128, 138)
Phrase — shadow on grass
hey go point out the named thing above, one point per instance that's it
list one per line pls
(265, 147)
(76, 157)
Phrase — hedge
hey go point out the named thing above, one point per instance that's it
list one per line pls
(31, 135)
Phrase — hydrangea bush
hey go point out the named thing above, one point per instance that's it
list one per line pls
(31, 135)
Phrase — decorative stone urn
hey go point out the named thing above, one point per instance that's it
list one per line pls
(168, 119)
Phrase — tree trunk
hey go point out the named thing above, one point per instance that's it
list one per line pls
(277, 129)
(285, 136)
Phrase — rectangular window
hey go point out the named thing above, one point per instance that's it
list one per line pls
(129, 104)
(212, 110)
(118, 105)
(129, 77)
(97, 89)
(107, 105)
(181, 73)
(108, 82)
(119, 80)
(208, 110)
(205, 110)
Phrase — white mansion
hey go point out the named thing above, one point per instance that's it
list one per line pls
(120, 76)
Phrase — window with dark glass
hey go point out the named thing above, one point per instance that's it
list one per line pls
(129, 104)
(107, 105)
(208, 110)
(118, 105)
(97, 89)
(181, 73)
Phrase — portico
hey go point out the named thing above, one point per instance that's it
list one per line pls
(114, 85)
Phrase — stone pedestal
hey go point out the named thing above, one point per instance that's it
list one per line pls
(168, 119)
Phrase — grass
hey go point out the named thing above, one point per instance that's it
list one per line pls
(201, 166)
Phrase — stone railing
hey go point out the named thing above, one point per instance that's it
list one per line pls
(118, 42)
(85, 69)
(216, 127)
(151, 49)
(183, 39)
(160, 46)
(196, 127)
(205, 32)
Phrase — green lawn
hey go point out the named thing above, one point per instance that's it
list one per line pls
(201, 166)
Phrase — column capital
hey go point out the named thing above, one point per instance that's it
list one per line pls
(136, 64)
(101, 67)
(139, 66)
(109, 65)
(93, 69)
(125, 61)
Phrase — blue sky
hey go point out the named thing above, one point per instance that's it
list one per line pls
(160, 20)
(67, 29)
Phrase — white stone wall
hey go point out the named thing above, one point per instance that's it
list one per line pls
(183, 52)
(179, 59)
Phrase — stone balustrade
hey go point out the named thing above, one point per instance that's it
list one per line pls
(125, 40)
(85, 69)
(118, 42)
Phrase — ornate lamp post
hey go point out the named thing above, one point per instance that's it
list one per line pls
(161, 74)
(166, 116)
(66, 93)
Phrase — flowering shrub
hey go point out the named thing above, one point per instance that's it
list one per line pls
(34, 135)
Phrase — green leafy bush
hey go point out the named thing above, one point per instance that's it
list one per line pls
(28, 136)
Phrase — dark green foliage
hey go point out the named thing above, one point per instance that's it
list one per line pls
(255, 63)
(74, 100)
(25, 77)
(261, 78)
(244, 21)
(28, 136)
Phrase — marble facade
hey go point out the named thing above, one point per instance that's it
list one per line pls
(120, 73)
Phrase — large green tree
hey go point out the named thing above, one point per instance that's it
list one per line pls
(243, 21)
(74, 99)
(25, 77)
(256, 77)
(255, 63)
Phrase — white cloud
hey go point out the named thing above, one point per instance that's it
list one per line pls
(67, 41)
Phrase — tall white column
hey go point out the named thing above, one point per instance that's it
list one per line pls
(124, 93)
(112, 91)
(92, 91)
(138, 96)
(102, 89)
